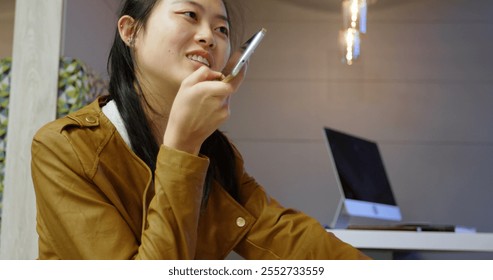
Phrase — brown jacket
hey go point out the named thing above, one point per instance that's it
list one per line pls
(93, 202)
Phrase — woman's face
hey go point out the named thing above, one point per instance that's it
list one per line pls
(181, 36)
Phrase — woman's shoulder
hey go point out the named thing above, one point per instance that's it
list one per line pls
(86, 124)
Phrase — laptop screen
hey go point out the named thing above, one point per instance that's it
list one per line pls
(360, 168)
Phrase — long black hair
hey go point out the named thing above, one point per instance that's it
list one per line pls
(125, 90)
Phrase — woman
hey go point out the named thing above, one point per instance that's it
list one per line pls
(144, 173)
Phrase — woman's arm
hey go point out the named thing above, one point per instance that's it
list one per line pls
(77, 220)
(283, 233)
(170, 229)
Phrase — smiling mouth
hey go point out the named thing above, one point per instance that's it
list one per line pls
(200, 59)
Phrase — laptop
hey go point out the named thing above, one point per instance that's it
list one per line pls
(365, 188)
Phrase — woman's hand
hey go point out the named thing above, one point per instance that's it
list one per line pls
(200, 107)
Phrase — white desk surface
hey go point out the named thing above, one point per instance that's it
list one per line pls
(419, 241)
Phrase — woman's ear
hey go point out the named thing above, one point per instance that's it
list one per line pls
(126, 28)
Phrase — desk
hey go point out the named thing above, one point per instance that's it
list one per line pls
(416, 241)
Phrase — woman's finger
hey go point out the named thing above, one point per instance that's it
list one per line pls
(202, 74)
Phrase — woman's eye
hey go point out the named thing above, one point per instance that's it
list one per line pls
(224, 30)
(191, 14)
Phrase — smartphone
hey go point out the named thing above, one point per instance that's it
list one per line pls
(241, 56)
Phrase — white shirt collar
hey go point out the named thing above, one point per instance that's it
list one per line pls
(112, 113)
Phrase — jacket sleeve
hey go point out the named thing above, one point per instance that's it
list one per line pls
(170, 226)
(76, 220)
(283, 233)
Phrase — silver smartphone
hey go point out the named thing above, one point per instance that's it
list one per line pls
(243, 54)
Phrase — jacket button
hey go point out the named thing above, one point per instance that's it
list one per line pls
(240, 222)
(91, 119)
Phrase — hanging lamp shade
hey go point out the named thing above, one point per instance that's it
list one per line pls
(353, 26)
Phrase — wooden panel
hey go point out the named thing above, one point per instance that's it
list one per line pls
(382, 10)
(450, 52)
(32, 104)
(396, 10)
(443, 183)
(411, 40)
(283, 10)
(431, 11)
(423, 112)
(391, 51)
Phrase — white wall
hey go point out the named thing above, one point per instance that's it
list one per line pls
(422, 90)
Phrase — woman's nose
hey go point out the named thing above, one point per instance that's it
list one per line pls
(205, 37)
